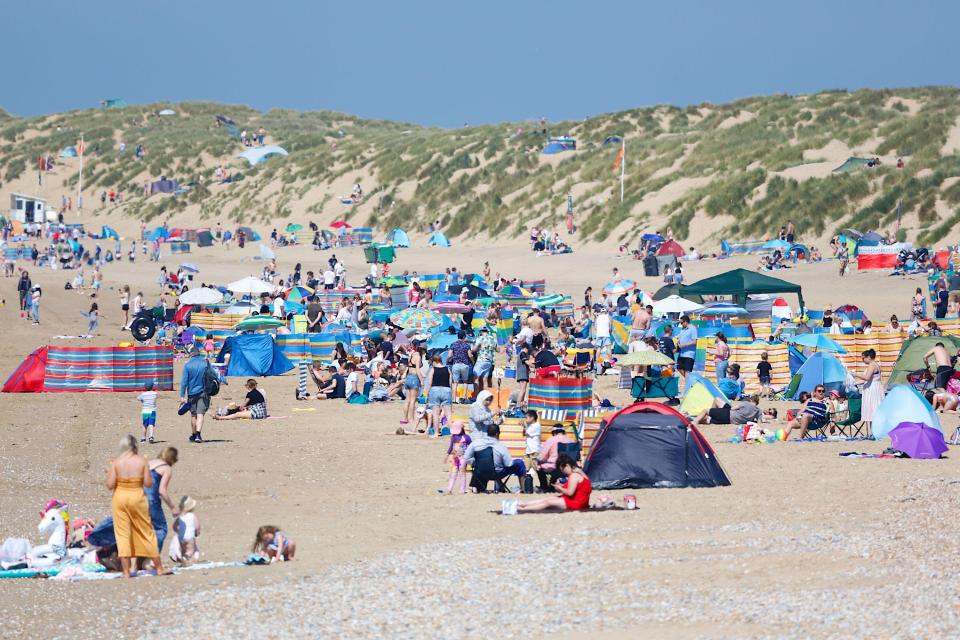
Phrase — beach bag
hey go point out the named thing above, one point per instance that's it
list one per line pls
(527, 484)
(211, 382)
(357, 398)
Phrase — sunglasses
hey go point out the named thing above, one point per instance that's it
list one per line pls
(819, 390)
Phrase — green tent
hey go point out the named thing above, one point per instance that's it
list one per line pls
(674, 290)
(912, 352)
(379, 253)
(740, 283)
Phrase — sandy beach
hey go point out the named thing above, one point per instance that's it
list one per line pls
(803, 544)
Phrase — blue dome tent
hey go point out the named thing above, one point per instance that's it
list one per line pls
(437, 239)
(398, 238)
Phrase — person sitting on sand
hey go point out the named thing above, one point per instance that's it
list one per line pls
(274, 544)
(255, 407)
(327, 382)
(814, 415)
(574, 489)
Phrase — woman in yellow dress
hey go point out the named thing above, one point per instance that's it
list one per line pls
(127, 475)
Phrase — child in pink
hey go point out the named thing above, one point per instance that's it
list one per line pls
(459, 441)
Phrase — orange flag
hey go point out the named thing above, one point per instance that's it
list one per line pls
(619, 159)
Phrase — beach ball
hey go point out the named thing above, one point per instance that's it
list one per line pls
(781, 435)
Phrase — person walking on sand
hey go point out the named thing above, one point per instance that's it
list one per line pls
(125, 306)
(193, 390)
(127, 476)
(161, 472)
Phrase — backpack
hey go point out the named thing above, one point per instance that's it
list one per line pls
(211, 382)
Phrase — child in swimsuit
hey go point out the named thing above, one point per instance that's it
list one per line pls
(459, 441)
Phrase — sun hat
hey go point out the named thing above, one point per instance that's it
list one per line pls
(834, 393)
(456, 427)
(187, 504)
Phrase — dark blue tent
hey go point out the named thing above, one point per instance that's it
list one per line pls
(650, 445)
(254, 354)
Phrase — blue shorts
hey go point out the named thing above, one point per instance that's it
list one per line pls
(412, 381)
(482, 368)
(460, 372)
(149, 419)
(440, 396)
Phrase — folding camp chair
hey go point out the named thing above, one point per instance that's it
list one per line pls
(580, 364)
(791, 390)
(484, 472)
(659, 387)
(854, 425)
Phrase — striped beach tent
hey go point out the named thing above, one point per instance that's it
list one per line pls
(82, 369)
(561, 393)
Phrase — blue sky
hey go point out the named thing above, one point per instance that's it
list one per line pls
(449, 62)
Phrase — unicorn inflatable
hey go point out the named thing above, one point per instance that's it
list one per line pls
(52, 524)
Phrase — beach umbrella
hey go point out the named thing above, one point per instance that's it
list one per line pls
(416, 318)
(451, 307)
(818, 341)
(298, 293)
(393, 281)
(201, 296)
(651, 237)
(616, 287)
(644, 358)
(723, 309)
(189, 267)
(918, 440)
(783, 245)
(340, 224)
(250, 285)
(294, 307)
(259, 323)
(675, 304)
(293, 227)
(514, 291)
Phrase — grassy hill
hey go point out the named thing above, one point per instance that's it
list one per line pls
(737, 170)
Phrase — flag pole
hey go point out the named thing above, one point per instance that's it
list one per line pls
(80, 181)
(623, 162)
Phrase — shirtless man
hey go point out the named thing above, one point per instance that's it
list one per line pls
(535, 322)
(641, 322)
(944, 368)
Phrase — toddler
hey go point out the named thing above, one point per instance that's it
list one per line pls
(187, 526)
(148, 411)
(208, 345)
(459, 441)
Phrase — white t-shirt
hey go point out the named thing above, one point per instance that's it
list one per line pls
(351, 385)
(343, 316)
(603, 325)
(533, 432)
(339, 269)
(148, 400)
(279, 308)
(186, 527)
(137, 304)
(329, 277)
(373, 271)
(525, 335)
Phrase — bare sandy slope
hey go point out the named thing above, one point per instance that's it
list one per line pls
(804, 544)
